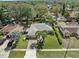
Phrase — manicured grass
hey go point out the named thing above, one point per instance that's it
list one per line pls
(22, 44)
(49, 54)
(50, 42)
(57, 54)
(73, 54)
(17, 54)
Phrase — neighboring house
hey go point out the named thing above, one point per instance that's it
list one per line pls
(74, 14)
(49, 7)
(59, 18)
(68, 9)
(71, 29)
(11, 28)
(54, 17)
(37, 27)
(7, 28)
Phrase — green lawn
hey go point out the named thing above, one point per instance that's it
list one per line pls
(72, 54)
(51, 42)
(57, 54)
(22, 44)
(17, 54)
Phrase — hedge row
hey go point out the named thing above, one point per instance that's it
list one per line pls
(57, 35)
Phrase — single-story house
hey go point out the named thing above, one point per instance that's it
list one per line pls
(37, 27)
(74, 14)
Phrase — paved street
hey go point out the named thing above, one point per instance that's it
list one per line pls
(3, 53)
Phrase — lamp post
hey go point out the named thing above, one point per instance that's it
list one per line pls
(67, 48)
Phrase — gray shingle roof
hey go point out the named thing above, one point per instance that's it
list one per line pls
(38, 27)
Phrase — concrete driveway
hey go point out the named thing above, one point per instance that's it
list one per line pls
(30, 53)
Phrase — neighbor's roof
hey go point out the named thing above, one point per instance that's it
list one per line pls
(38, 27)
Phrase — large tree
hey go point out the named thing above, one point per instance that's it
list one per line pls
(56, 9)
(42, 11)
(24, 11)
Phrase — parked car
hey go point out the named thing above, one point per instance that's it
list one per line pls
(9, 45)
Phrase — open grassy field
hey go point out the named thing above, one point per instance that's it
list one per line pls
(57, 54)
(17, 54)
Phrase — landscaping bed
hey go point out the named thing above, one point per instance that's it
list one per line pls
(17, 54)
(57, 54)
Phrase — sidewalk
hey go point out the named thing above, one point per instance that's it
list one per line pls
(19, 50)
(59, 49)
